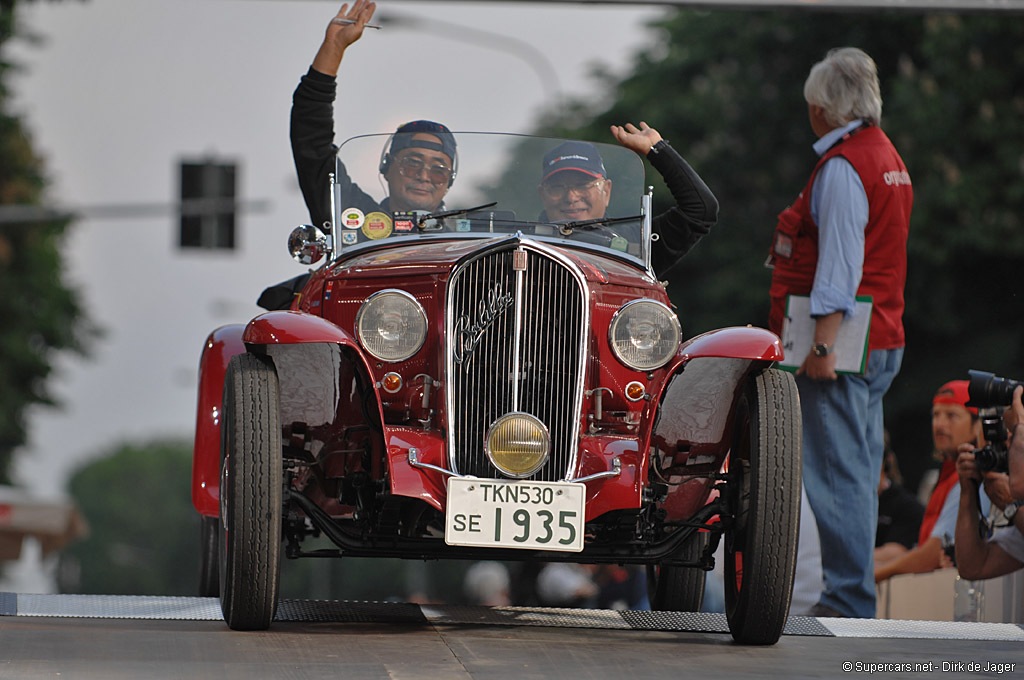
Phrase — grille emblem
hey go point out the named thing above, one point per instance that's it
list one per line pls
(519, 260)
(469, 333)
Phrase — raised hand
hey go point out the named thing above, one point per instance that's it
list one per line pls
(639, 139)
(339, 35)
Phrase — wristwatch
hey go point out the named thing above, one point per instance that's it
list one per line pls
(822, 350)
(1010, 510)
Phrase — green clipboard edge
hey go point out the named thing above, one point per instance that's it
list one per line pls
(867, 335)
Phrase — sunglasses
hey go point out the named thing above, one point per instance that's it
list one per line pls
(412, 166)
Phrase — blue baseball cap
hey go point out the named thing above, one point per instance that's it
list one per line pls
(579, 156)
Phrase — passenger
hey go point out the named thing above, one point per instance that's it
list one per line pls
(574, 186)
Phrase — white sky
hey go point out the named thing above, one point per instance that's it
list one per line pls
(120, 90)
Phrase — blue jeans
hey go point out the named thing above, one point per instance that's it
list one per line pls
(843, 446)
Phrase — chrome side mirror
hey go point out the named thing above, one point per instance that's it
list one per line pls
(307, 244)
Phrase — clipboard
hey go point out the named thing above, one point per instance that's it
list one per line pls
(851, 343)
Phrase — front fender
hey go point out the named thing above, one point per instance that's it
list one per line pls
(293, 327)
(309, 352)
(694, 428)
(221, 345)
(737, 342)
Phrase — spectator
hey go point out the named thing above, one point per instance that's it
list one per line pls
(621, 587)
(844, 236)
(953, 424)
(899, 513)
(1003, 552)
(487, 583)
(564, 584)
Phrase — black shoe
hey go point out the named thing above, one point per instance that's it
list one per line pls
(824, 611)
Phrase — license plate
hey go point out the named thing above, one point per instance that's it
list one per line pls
(498, 514)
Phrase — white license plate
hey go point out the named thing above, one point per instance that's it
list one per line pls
(501, 514)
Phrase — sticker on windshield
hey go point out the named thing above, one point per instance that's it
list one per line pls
(349, 238)
(404, 221)
(619, 243)
(352, 218)
(377, 225)
(463, 225)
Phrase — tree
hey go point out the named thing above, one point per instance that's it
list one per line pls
(726, 88)
(143, 531)
(40, 314)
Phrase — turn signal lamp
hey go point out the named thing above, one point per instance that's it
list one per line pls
(635, 391)
(391, 383)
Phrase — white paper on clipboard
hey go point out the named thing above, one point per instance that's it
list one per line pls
(851, 343)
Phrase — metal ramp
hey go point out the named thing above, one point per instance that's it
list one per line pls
(345, 611)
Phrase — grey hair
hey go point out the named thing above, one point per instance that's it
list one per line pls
(845, 84)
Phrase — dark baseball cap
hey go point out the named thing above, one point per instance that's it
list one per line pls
(578, 156)
(403, 138)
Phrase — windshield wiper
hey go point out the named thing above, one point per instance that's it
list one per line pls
(565, 228)
(421, 223)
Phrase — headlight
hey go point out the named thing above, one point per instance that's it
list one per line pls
(391, 325)
(517, 444)
(644, 334)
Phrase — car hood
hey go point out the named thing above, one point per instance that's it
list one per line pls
(433, 258)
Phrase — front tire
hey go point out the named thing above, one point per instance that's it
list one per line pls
(678, 589)
(760, 549)
(250, 494)
(209, 576)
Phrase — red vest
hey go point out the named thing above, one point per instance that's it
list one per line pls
(890, 196)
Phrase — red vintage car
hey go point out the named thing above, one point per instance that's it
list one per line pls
(478, 382)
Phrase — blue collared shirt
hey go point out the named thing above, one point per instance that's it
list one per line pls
(839, 206)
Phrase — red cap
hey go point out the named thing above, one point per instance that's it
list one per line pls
(954, 392)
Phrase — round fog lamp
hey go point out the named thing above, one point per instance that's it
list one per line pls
(517, 444)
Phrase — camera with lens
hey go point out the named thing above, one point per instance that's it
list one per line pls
(991, 395)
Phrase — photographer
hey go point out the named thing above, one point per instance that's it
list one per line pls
(954, 422)
(979, 556)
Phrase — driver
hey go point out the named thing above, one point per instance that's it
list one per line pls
(575, 186)
(419, 163)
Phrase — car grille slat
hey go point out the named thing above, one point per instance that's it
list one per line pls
(552, 316)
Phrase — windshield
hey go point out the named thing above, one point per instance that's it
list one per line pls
(578, 194)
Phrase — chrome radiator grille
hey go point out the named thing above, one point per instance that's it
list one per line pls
(516, 332)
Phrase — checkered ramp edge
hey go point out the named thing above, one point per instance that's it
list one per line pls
(344, 611)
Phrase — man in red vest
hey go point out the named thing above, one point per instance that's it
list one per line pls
(953, 424)
(845, 236)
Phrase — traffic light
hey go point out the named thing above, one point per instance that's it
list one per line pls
(208, 205)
